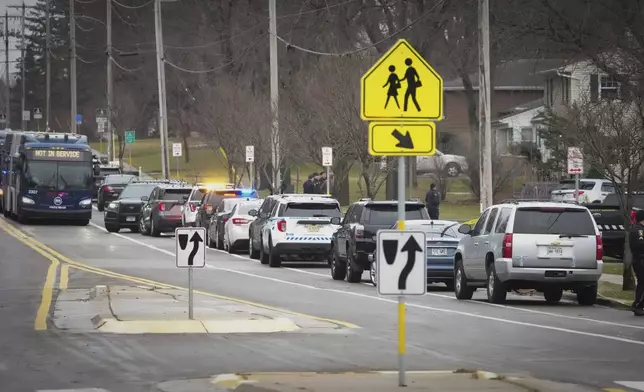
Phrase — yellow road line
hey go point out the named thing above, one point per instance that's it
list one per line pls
(41, 248)
(614, 390)
(64, 277)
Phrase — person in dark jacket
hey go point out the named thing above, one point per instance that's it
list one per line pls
(637, 249)
(308, 186)
(433, 201)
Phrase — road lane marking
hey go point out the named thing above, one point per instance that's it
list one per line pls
(64, 277)
(42, 248)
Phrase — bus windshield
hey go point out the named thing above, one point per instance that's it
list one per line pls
(60, 176)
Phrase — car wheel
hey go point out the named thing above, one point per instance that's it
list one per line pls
(111, 228)
(154, 231)
(496, 292)
(354, 272)
(251, 248)
(461, 289)
(274, 258)
(452, 169)
(142, 229)
(263, 257)
(338, 270)
(587, 295)
(373, 275)
(553, 295)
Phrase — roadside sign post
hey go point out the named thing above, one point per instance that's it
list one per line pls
(176, 152)
(402, 129)
(38, 116)
(327, 162)
(575, 166)
(130, 138)
(26, 116)
(190, 256)
(250, 159)
(79, 119)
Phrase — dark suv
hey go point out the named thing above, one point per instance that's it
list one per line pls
(162, 212)
(111, 188)
(352, 244)
(124, 212)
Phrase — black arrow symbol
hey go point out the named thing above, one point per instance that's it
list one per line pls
(183, 241)
(411, 247)
(390, 249)
(196, 239)
(404, 141)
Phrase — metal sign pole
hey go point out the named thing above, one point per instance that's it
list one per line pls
(177, 158)
(577, 187)
(328, 180)
(251, 175)
(190, 294)
(129, 151)
(401, 298)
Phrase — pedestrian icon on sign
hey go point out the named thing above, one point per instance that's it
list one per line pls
(394, 84)
(413, 82)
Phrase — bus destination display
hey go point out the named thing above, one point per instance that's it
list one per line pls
(57, 155)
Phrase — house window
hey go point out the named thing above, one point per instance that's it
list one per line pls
(608, 87)
(527, 135)
(551, 93)
(565, 90)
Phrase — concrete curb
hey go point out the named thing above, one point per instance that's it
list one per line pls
(112, 325)
(613, 303)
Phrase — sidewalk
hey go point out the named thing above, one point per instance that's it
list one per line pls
(147, 310)
(610, 278)
(430, 381)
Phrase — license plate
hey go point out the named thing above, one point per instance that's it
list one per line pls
(439, 252)
(554, 251)
(130, 218)
(313, 228)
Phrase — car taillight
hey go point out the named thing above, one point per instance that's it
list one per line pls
(507, 246)
(359, 233)
(107, 188)
(161, 207)
(241, 221)
(633, 217)
(600, 247)
(193, 207)
(281, 225)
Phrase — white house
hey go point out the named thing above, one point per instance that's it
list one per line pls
(518, 127)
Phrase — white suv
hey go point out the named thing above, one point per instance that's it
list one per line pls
(549, 247)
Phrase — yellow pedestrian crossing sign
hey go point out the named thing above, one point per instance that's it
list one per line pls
(402, 139)
(401, 85)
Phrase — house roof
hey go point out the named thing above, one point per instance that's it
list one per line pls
(522, 74)
(520, 109)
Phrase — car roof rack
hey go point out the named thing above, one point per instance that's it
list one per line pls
(285, 195)
(517, 201)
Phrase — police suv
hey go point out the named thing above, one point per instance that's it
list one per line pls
(299, 228)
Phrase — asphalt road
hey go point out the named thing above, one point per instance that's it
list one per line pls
(594, 346)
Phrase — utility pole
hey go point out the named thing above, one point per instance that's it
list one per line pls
(48, 60)
(6, 68)
(275, 130)
(72, 67)
(485, 109)
(163, 117)
(108, 23)
(23, 44)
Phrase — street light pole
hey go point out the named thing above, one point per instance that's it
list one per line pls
(72, 45)
(48, 60)
(163, 117)
(6, 69)
(23, 71)
(485, 109)
(274, 86)
(110, 99)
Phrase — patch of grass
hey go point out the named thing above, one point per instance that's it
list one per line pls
(614, 291)
(613, 268)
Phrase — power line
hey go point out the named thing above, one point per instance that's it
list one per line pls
(213, 43)
(128, 70)
(318, 53)
(326, 8)
(203, 71)
(132, 7)
(125, 21)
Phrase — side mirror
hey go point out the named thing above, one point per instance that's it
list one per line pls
(145, 198)
(252, 212)
(335, 220)
(465, 229)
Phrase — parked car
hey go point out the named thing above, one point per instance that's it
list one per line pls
(590, 190)
(450, 164)
(236, 227)
(162, 212)
(125, 211)
(544, 246)
(189, 211)
(218, 219)
(442, 237)
(111, 188)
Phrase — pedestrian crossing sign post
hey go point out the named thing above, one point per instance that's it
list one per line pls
(402, 96)
(37, 113)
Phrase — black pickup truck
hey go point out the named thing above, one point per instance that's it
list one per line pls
(610, 222)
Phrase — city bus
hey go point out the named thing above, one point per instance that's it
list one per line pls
(48, 176)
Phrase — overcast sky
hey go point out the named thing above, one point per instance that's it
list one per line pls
(13, 54)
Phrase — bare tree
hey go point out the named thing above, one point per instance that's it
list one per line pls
(125, 116)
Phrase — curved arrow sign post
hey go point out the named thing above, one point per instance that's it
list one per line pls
(190, 253)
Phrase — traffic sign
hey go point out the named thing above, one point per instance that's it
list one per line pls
(401, 85)
(101, 113)
(575, 160)
(79, 119)
(101, 120)
(401, 265)
(250, 154)
(176, 150)
(327, 156)
(37, 113)
(130, 137)
(101, 127)
(26, 115)
(191, 248)
(402, 139)
(3, 118)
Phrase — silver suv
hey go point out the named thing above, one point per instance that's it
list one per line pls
(549, 247)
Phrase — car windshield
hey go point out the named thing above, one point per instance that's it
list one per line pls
(321, 210)
(136, 191)
(612, 200)
(387, 214)
(176, 194)
(244, 208)
(230, 203)
(436, 230)
(197, 194)
(558, 220)
(568, 185)
(61, 176)
(119, 179)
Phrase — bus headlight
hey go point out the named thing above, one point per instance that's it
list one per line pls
(26, 200)
(85, 203)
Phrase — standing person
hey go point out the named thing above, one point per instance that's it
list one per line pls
(637, 249)
(308, 187)
(433, 201)
(322, 186)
